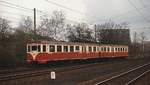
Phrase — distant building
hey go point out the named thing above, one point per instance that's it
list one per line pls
(115, 36)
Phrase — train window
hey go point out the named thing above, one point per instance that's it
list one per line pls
(108, 49)
(59, 48)
(122, 49)
(28, 48)
(116, 49)
(104, 49)
(65, 48)
(94, 49)
(97, 48)
(90, 49)
(44, 48)
(39, 48)
(112, 49)
(51, 48)
(77, 47)
(34, 48)
(82, 49)
(71, 48)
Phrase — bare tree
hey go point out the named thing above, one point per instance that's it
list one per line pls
(26, 24)
(80, 33)
(135, 46)
(4, 28)
(7, 47)
(135, 37)
(53, 26)
(58, 18)
(142, 39)
(46, 28)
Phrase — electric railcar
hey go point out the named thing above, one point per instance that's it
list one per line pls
(45, 51)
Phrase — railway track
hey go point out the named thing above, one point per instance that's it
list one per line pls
(17, 70)
(137, 79)
(72, 75)
(37, 72)
(128, 77)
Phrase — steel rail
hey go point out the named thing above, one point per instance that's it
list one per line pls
(124, 73)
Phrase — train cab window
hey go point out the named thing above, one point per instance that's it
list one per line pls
(65, 48)
(39, 48)
(59, 48)
(28, 49)
(77, 48)
(94, 49)
(71, 48)
(34, 48)
(90, 49)
(51, 48)
(44, 48)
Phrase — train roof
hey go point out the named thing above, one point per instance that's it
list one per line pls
(70, 43)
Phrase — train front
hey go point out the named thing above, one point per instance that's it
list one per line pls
(36, 52)
(32, 52)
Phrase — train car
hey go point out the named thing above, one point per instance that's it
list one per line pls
(45, 51)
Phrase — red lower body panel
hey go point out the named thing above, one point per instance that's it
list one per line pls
(44, 57)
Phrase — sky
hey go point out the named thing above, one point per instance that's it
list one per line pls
(135, 12)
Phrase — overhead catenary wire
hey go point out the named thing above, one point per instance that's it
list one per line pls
(70, 9)
(42, 12)
(13, 6)
(25, 9)
(21, 7)
(123, 14)
(144, 5)
(147, 20)
(16, 5)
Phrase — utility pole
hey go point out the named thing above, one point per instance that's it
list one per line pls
(95, 32)
(34, 21)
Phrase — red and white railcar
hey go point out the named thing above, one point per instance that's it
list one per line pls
(44, 51)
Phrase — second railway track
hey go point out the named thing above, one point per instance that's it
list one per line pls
(126, 78)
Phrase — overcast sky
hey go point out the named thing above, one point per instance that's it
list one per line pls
(135, 12)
